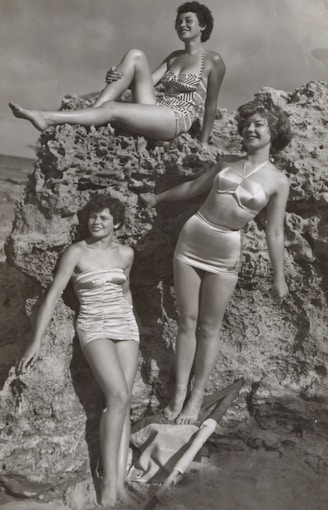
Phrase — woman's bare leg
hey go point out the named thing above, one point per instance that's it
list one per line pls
(216, 292)
(187, 282)
(136, 74)
(103, 359)
(153, 121)
(127, 352)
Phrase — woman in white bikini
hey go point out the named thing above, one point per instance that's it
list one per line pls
(208, 253)
(191, 78)
(99, 267)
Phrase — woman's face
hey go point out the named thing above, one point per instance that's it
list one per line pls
(101, 223)
(256, 132)
(187, 26)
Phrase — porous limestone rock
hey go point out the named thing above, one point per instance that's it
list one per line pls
(49, 417)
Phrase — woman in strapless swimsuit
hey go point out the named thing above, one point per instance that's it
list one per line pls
(208, 252)
(99, 267)
(191, 78)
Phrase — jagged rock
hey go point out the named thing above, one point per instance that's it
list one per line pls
(49, 417)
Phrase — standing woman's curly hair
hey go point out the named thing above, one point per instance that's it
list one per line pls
(277, 118)
(203, 14)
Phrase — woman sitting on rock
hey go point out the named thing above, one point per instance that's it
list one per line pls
(191, 78)
(208, 253)
(99, 267)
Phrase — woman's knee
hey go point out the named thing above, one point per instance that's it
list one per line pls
(118, 399)
(110, 110)
(208, 331)
(135, 54)
(187, 323)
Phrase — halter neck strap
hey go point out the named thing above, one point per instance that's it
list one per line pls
(201, 70)
(254, 169)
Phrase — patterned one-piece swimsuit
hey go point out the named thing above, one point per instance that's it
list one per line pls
(184, 94)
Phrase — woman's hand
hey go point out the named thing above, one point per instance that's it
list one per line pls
(113, 75)
(29, 358)
(149, 199)
(279, 290)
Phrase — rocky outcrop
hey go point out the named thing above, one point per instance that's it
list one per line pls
(49, 417)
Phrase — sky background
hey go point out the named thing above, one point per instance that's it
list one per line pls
(53, 47)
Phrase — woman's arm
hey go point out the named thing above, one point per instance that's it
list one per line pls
(128, 257)
(215, 78)
(158, 74)
(113, 75)
(275, 237)
(185, 190)
(64, 272)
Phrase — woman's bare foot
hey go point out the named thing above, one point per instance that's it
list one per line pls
(190, 412)
(36, 117)
(176, 404)
(108, 496)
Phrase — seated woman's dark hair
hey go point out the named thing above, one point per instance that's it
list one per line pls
(203, 14)
(277, 118)
(100, 201)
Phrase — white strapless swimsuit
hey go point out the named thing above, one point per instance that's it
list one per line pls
(104, 310)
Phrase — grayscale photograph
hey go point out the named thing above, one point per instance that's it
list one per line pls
(164, 255)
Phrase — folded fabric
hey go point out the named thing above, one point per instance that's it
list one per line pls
(161, 445)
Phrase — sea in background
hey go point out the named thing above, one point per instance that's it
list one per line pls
(14, 172)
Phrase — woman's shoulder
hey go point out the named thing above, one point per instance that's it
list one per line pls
(74, 249)
(126, 252)
(276, 172)
(277, 183)
(214, 60)
(278, 176)
(72, 254)
(213, 55)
